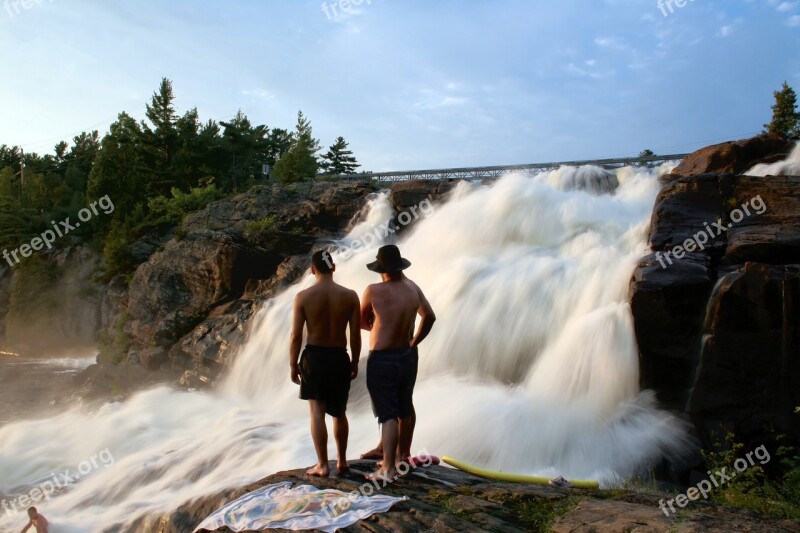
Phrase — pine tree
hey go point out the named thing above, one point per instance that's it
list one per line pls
(300, 161)
(339, 160)
(647, 153)
(160, 141)
(785, 118)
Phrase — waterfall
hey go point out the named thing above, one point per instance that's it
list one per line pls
(531, 367)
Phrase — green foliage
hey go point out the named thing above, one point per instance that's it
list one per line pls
(785, 118)
(529, 512)
(154, 171)
(300, 162)
(117, 248)
(338, 159)
(114, 345)
(751, 488)
(266, 224)
(172, 210)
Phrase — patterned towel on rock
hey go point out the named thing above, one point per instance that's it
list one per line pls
(299, 508)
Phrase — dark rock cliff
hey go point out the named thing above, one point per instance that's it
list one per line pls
(55, 305)
(189, 305)
(718, 319)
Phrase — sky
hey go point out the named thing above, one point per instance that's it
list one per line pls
(410, 84)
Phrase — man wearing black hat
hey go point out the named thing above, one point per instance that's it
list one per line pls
(388, 311)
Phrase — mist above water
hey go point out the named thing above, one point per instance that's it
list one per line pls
(531, 367)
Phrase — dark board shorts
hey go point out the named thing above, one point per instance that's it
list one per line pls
(391, 376)
(325, 377)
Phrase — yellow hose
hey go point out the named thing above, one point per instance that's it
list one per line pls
(516, 478)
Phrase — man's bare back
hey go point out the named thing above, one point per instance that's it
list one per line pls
(328, 307)
(393, 312)
(328, 311)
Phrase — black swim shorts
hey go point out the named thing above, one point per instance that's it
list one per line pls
(325, 377)
(391, 376)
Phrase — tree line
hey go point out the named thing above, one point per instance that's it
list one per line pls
(155, 171)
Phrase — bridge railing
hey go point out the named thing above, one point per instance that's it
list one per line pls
(479, 173)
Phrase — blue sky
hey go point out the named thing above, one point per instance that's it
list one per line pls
(410, 84)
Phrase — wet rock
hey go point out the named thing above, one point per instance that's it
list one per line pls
(446, 500)
(668, 305)
(748, 373)
(407, 194)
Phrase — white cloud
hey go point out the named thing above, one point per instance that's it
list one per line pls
(725, 31)
(258, 93)
(794, 20)
(786, 6)
(432, 99)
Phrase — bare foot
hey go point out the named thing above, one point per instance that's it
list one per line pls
(386, 476)
(342, 469)
(318, 471)
(375, 453)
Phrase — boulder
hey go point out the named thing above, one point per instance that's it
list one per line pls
(748, 374)
(177, 287)
(683, 208)
(668, 305)
(735, 157)
(153, 358)
(772, 236)
(407, 194)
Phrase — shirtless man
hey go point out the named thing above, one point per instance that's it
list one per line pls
(36, 520)
(325, 371)
(389, 311)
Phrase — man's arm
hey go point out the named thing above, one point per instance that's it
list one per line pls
(26, 528)
(296, 342)
(355, 336)
(367, 313)
(425, 311)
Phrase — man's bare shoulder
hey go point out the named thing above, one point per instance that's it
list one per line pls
(413, 284)
(373, 287)
(302, 296)
(347, 292)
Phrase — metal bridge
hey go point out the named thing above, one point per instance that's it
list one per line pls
(480, 173)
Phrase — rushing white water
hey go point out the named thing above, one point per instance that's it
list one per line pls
(788, 167)
(531, 366)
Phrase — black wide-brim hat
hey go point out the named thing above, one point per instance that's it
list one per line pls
(389, 260)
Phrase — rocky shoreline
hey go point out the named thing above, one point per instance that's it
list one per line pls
(446, 500)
